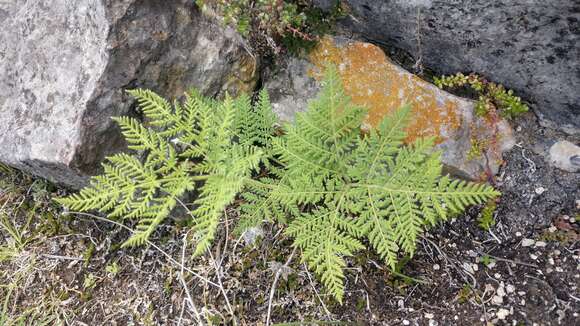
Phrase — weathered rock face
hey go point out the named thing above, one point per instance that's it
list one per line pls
(64, 66)
(531, 46)
(471, 146)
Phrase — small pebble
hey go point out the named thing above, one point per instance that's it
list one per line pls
(510, 288)
(501, 291)
(540, 244)
(468, 268)
(523, 302)
(497, 275)
(566, 217)
(518, 234)
(577, 203)
(429, 315)
(502, 313)
(534, 257)
(559, 269)
(540, 190)
(436, 267)
(552, 229)
(406, 322)
(433, 323)
(551, 261)
(528, 242)
(572, 220)
(497, 300)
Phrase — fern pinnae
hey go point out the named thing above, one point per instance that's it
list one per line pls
(153, 106)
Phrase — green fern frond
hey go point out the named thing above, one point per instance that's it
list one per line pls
(325, 241)
(318, 142)
(182, 146)
(255, 124)
(349, 187)
(154, 107)
(220, 191)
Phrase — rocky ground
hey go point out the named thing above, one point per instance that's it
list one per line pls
(58, 268)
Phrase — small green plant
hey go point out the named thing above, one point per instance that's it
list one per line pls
(477, 148)
(90, 281)
(464, 294)
(486, 218)
(335, 187)
(273, 16)
(486, 260)
(492, 96)
(112, 269)
(296, 24)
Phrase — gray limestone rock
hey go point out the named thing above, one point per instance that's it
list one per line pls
(65, 66)
(531, 46)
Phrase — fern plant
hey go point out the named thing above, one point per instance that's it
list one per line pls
(199, 144)
(337, 189)
(343, 189)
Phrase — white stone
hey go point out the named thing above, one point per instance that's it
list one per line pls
(540, 190)
(502, 313)
(501, 291)
(429, 315)
(406, 322)
(468, 268)
(566, 156)
(540, 244)
(528, 242)
(497, 300)
(510, 288)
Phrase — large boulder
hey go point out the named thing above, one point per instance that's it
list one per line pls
(65, 66)
(531, 46)
(471, 146)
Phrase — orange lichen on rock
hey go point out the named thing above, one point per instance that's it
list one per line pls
(373, 81)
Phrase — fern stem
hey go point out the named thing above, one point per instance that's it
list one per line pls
(422, 192)
(200, 177)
